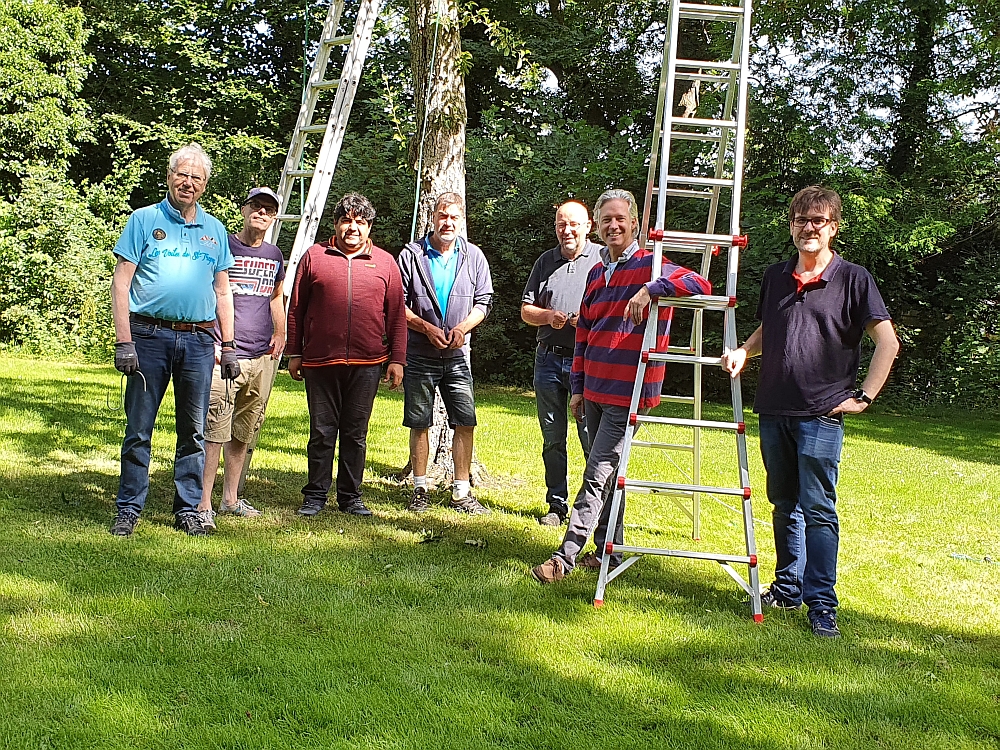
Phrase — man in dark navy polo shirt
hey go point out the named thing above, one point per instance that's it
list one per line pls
(551, 301)
(814, 310)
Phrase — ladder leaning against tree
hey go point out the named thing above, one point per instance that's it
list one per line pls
(312, 175)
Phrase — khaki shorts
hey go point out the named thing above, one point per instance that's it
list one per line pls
(237, 407)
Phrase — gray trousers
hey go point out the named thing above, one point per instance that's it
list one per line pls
(606, 426)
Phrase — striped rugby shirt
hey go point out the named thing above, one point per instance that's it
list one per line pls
(608, 343)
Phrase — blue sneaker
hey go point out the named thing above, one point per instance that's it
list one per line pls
(824, 623)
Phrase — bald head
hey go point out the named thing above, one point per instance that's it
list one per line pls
(573, 226)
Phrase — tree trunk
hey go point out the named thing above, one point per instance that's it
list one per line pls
(913, 118)
(438, 151)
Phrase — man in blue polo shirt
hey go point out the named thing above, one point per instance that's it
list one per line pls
(814, 311)
(170, 285)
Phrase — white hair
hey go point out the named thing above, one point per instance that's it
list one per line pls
(191, 152)
(616, 195)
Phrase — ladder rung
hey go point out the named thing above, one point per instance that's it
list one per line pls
(680, 247)
(289, 217)
(299, 173)
(336, 41)
(665, 446)
(681, 350)
(699, 302)
(680, 135)
(684, 360)
(702, 122)
(712, 556)
(700, 181)
(708, 424)
(326, 85)
(709, 77)
(321, 128)
(695, 238)
(662, 488)
(681, 193)
(676, 399)
(728, 10)
(709, 64)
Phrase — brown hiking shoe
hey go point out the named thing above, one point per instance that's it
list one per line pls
(591, 561)
(549, 571)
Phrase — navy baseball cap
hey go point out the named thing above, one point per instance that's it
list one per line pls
(266, 192)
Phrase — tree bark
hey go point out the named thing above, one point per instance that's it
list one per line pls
(438, 151)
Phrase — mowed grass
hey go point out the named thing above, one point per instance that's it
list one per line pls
(360, 633)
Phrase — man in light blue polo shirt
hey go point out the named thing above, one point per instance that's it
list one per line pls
(170, 284)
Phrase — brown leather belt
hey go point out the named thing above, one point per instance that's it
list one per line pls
(173, 325)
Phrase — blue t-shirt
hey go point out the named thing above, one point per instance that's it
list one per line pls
(176, 262)
(443, 272)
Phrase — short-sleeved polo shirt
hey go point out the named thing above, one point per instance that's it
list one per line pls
(811, 345)
(558, 284)
(176, 262)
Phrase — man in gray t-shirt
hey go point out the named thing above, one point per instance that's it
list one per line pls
(551, 301)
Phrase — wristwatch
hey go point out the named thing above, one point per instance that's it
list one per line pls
(232, 345)
(860, 395)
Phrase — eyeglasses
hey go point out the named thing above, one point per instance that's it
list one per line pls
(817, 221)
(574, 225)
(265, 207)
(197, 179)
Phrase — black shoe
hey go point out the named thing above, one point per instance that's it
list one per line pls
(824, 623)
(355, 508)
(768, 599)
(470, 505)
(552, 518)
(311, 506)
(189, 524)
(418, 502)
(124, 523)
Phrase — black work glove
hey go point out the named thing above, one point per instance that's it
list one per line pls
(229, 365)
(126, 360)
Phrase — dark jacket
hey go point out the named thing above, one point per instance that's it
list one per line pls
(473, 289)
(346, 311)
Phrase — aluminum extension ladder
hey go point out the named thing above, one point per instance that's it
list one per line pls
(320, 176)
(714, 167)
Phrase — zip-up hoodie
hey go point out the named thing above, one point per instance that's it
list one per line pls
(346, 311)
(473, 289)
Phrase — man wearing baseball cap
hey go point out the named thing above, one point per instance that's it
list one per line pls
(237, 407)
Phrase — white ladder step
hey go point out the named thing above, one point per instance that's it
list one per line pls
(701, 122)
(664, 446)
(289, 217)
(707, 77)
(663, 488)
(680, 135)
(680, 193)
(698, 302)
(682, 359)
(326, 85)
(708, 424)
(697, 238)
(700, 181)
(611, 548)
(336, 41)
(300, 173)
(676, 399)
(709, 64)
(711, 12)
(312, 129)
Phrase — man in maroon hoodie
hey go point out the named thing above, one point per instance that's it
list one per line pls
(346, 317)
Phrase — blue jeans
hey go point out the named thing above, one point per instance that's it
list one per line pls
(552, 393)
(452, 377)
(188, 358)
(802, 459)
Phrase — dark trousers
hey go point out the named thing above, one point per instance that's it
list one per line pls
(340, 399)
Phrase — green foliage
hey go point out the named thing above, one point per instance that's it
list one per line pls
(42, 69)
(56, 264)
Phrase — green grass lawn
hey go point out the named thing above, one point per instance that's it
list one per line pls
(341, 632)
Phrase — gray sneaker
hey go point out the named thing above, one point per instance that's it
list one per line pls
(207, 518)
(242, 509)
(552, 519)
(470, 505)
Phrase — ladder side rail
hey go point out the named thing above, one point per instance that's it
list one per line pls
(668, 117)
(326, 161)
(306, 111)
(656, 142)
(744, 27)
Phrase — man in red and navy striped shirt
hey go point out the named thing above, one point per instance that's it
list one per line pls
(609, 336)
